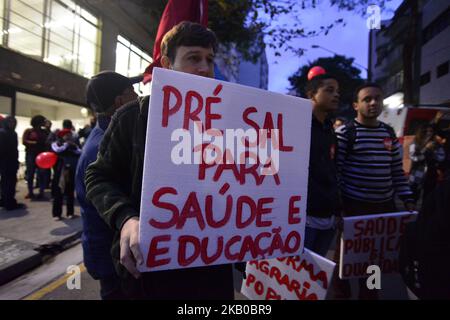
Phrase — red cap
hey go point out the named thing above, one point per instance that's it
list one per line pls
(63, 132)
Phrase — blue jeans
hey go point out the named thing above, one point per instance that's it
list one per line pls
(318, 240)
(31, 169)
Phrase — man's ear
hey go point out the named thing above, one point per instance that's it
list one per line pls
(165, 62)
(118, 101)
(355, 106)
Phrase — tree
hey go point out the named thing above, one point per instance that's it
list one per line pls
(342, 68)
(252, 24)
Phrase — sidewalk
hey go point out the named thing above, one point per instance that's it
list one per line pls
(30, 235)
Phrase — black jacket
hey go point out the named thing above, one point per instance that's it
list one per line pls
(9, 154)
(323, 191)
(113, 185)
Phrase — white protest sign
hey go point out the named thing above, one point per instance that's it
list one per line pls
(305, 277)
(372, 240)
(217, 188)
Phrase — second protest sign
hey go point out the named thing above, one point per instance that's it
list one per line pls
(372, 240)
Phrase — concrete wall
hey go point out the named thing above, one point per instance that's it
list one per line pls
(39, 78)
(110, 31)
(136, 20)
(254, 74)
(431, 10)
(434, 53)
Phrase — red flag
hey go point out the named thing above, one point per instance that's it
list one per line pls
(175, 12)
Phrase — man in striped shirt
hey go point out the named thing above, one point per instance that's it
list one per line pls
(369, 159)
(370, 169)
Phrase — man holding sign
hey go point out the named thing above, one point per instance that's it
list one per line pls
(223, 178)
(370, 165)
(114, 182)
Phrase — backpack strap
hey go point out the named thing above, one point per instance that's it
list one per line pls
(350, 134)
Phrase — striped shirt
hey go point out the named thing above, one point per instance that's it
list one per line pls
(372, 169)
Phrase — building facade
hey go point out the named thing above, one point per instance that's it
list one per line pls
(234, 68)
(431, 55)
(50, 48)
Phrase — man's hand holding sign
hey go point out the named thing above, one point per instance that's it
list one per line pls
(225, 174)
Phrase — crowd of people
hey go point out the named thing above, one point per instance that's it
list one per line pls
(37, 139)
(356, 168)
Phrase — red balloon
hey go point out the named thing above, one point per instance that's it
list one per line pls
(315, 71)
(46, 160)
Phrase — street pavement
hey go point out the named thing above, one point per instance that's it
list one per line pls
(49, 281)
(36, 252)
(29, 236)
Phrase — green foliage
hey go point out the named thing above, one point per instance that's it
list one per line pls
(228, 19)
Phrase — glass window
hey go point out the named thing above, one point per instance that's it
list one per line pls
(124, 41)
(60, 28)
(131, 61)
(74, 38)
(87, 51)
(64, 35)
(122, 57)
(2, 9)
(442, 69)
(25, 27)
(89, 17)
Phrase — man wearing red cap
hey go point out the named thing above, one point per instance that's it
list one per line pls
(68, 151)
(9, 163)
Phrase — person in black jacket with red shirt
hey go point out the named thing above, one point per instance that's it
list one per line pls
(323, 196)
(35, 141)
(9, 163)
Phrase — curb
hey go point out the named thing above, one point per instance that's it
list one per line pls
(31, 259)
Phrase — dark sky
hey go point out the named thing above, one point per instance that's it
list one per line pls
(351, 41)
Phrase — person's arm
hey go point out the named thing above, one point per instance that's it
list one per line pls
(25, 140)
(58, 148)
(77, 150)
(399, 180)
(104, 181)
(414, 154)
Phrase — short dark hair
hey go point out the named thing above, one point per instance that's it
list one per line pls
(188, 34)
(37, 121)
(67, 124)
(363, 86)
(313, 85)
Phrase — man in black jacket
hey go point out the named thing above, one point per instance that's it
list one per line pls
(323, 195)
(9, 163)
(114, 183)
